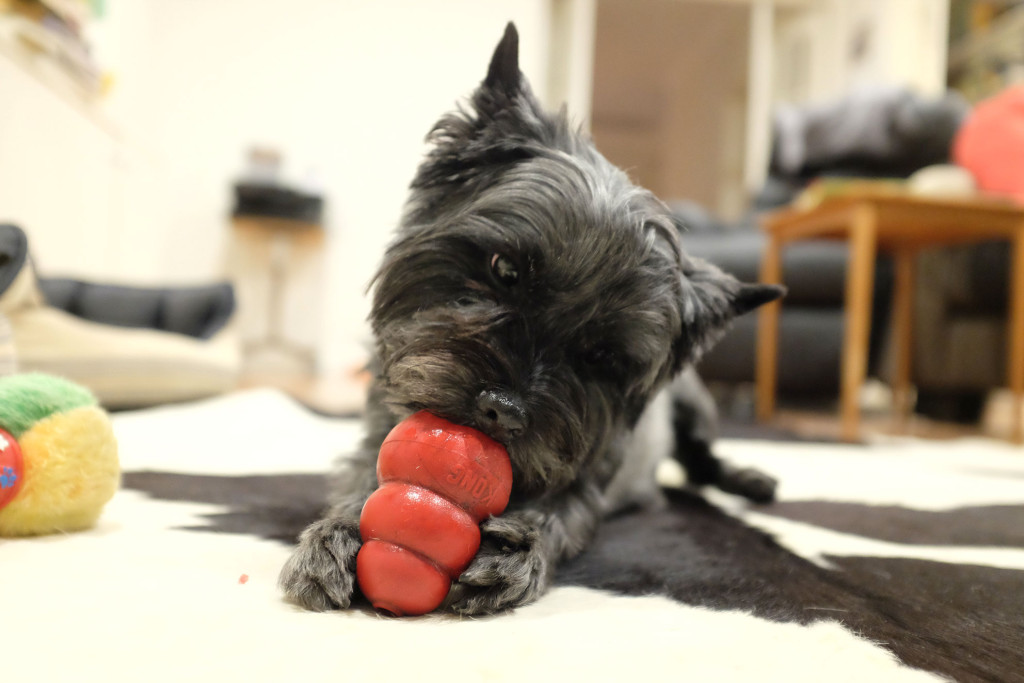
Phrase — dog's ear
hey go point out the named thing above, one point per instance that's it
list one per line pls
(710, 300)
(503, 75)
(505, 124)
(752, 295)
(505, 87)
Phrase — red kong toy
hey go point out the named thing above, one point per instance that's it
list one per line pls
(420, 529)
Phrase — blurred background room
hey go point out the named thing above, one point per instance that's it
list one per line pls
(196, 192)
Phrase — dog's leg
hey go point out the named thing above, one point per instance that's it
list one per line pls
(695, 421)
(320, 574)
(520, 549)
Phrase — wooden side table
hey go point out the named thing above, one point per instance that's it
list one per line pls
(902, 226)
(282, 237)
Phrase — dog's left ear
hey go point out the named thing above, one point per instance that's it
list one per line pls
(750, 296)
(711, 299)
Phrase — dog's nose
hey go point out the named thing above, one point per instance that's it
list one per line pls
(501, 415)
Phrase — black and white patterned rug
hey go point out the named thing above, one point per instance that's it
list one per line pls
(899, 560)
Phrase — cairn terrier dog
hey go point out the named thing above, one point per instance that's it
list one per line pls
(534, 293)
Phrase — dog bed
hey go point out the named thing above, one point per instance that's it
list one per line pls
(898, 561)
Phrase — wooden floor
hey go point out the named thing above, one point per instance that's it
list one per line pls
(995, 423)
(822, 425)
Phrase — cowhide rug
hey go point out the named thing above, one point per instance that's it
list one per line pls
(902, 560)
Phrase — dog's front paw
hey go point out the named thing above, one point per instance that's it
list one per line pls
(320, 575)
(509, 570)
(748, 482)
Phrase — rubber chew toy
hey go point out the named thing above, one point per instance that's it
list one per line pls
(420, 529)
(58, 456)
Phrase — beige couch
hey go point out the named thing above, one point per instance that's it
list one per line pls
(123, 366)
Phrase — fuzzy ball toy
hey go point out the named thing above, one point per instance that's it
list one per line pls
(420, 529)
(58, 456)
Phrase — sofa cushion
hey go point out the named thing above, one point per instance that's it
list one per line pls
(198, 312)
(810, 343)
(125, 367)
(814, 271)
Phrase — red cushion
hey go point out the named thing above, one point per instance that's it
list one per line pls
(990, 143)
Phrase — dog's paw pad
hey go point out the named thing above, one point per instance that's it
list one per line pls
(749, 483)
(320, 574)
(508, 571)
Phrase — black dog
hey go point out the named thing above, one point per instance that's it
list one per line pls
(536, 294)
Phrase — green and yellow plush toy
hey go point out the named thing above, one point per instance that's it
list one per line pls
(58, 456)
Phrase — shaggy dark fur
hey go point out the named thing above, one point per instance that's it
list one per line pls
(534, 293)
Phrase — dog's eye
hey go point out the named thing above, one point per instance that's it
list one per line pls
(600, 357)
(504, 270)
(606, 362)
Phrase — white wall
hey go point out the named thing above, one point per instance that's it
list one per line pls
(56, 171)
(826, 47)
(346, 87)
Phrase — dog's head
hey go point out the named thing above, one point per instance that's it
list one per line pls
(534, 292)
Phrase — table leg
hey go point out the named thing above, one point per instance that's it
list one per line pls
(902, 330)
(860, 275)
(1015, 335)
(768, 333)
